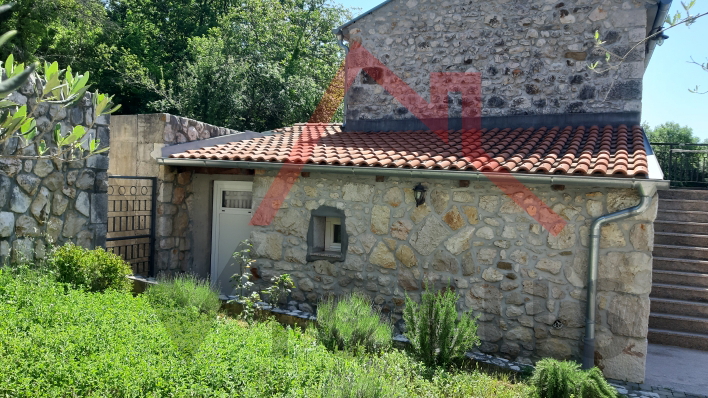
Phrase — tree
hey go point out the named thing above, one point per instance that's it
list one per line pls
(670, 132)
(254, 64)
(54, 88)
(60, 28)
(264, 66)
(683, 163)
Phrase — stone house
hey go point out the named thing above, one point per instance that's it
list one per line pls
(541, 217)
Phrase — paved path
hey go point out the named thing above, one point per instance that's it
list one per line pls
(680, 369)
(672, 372)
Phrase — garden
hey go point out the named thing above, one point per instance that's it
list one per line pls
(71, 326)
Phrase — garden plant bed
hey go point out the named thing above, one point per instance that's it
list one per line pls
(477, 360)
(58, 341)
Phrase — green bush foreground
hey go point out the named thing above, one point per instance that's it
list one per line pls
(56, 341)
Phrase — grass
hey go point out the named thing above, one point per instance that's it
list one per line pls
(56, 342)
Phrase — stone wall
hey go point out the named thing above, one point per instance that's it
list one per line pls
(142, 138)
(519, 279)
(44, 200)
(533, 55)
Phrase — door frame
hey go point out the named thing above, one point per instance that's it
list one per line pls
(219, 187)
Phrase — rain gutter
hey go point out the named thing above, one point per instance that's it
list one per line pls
(340, 42)
(661, 12)
(545, 179)
(351, 21)
(646, 192)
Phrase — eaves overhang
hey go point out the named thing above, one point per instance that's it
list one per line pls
(531, 179)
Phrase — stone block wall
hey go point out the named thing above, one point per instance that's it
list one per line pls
(142, 138)
(179, 130)
(520, 280)
(533, 55)
(173, 239)
(45, 200)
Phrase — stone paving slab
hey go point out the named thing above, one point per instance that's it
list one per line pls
(634, 390)
(677, 369)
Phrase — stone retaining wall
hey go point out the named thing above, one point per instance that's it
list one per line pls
(45, 200)
(533, 55)
(519, 279)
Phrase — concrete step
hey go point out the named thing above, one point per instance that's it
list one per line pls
(680, 204)
(696, 341)
(679, 307)
(687, 252)
(677, 292)
(682, 215)
(680, 239)
(680, 278)
(679, 323)
(682, 227)
(680, 264)
(684, 194)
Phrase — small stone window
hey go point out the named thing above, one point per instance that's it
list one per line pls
(327, 236)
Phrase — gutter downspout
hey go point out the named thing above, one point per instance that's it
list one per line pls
(661, 12)
(646, 192)
(340, 42)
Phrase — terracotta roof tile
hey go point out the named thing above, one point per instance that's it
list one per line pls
(598, 151)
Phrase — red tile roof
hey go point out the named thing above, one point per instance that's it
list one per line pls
(606, 151)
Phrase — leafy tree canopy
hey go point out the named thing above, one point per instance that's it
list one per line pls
(249, 64)
(671, 132)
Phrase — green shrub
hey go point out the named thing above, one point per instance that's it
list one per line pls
(184, 292)
(437, 335)
(352, 324)
(560, 379)
(93, 270)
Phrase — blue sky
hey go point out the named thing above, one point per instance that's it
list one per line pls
(668, 77)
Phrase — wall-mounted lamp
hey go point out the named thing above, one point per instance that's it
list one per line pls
(660, 39)
(419, 194)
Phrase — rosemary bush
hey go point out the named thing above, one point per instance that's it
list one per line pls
(184, 292)
(352, 324)
(560, 379)
(437, 334)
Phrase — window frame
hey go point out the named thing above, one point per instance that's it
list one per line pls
(329, 244)
(320, 235)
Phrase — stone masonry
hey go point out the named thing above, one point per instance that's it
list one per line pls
(533, 55)
(528, 287)
(44, 200)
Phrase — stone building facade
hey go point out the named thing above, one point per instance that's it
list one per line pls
(44, 200)
(543, 113)
(533, 55)
(527, 286)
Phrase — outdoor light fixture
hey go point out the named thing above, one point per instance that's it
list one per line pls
(660, 39)
(419, 194)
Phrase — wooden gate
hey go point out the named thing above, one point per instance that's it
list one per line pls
(131, 221)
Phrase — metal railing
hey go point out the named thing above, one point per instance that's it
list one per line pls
(686, 165)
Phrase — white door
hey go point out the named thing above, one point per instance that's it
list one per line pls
(230, 226)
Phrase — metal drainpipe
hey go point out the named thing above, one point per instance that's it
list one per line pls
(646, 192)
(340, 41)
